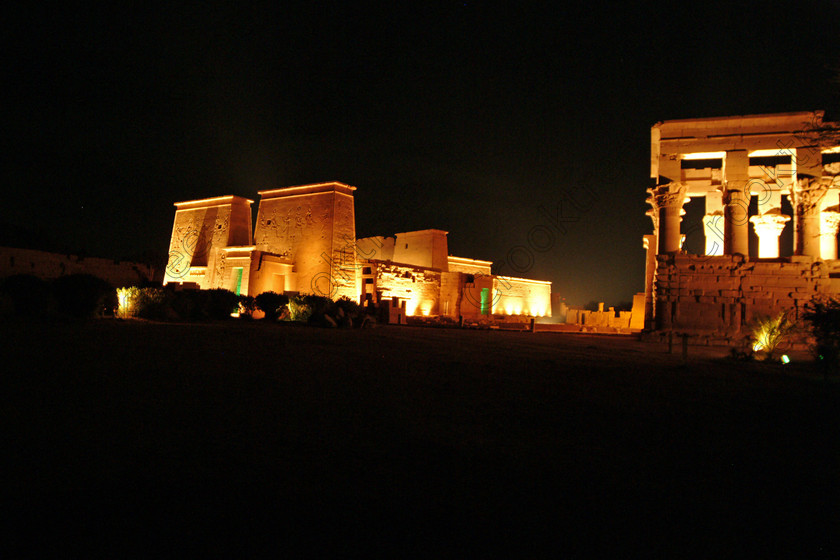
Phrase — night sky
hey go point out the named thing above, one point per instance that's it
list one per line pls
(524, 132)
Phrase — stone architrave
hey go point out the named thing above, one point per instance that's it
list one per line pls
(768, 228)
(805, 199)
(667, 201)
(829, 222)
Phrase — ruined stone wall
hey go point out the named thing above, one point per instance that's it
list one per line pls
(49, 266)
(726, 294)
(421, 288)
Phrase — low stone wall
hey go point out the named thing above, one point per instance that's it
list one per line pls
(52, 265)
(728, 294)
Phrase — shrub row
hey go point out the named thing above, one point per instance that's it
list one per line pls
(75, 295)
(164, 304)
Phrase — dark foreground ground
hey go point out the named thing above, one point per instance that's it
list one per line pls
(236, 440)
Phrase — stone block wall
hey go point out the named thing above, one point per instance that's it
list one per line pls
(420, 287)
(50, 266)
(520, 296)
(726, 294)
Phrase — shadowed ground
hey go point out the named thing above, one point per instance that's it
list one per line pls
(238, 439)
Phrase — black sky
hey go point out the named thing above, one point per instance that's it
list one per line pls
(476, 120)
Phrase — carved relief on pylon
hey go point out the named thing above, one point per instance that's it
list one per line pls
(220, 231)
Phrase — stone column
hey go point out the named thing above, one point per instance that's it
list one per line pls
(805, 198)
(667, 201)
(770, 221)
(735, 214)
(829, 221)
(736, 200)
(768, 227)
(649, 244)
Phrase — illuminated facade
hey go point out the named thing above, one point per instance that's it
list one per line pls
(758, 176)
(305, 242)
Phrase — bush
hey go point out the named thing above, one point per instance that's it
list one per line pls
(321, 307)
(83, 295)
(770, 333)
(824, 317)
(271, 303)
(29, 295)
(191, 305)
(348, 306)
(221, 303)
(247, 306)
(153, 303)
(299, 310)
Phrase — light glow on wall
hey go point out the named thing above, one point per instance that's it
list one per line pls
(704, 155)
(411, 306)
(426, 308)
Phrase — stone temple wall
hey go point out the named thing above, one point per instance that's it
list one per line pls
(727, 294)
(420, 287)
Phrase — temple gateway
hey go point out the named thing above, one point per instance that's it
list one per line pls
(758, 175)
(305, 242)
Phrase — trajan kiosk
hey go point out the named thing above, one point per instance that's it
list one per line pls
(758, 175)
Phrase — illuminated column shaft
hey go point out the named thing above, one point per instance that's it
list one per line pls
(768, 227)
(736, 238)
(736, 200)
(806, 197)
(713, 228)
(829, 222)
(668, 200)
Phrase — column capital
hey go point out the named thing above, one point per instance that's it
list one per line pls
(807, 192)
(668, 195)
(829, 222)
(768, 227)
(770, 224)
(729, 188)
(653, 214)
(667, 201)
